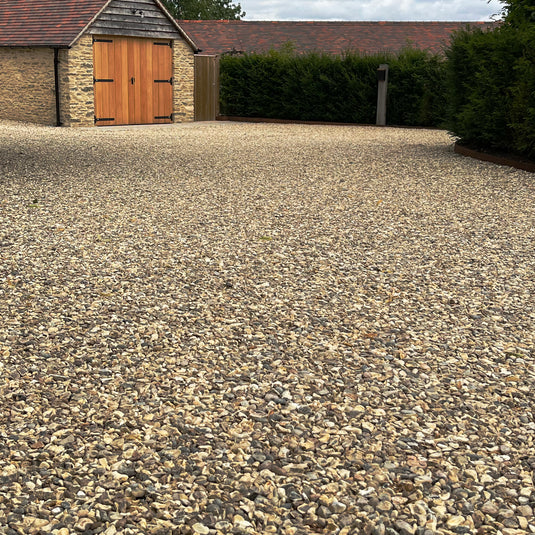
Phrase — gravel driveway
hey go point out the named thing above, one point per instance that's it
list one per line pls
(242, 328)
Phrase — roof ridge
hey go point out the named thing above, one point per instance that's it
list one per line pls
(332, 37)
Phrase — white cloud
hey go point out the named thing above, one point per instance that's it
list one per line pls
(458, 10)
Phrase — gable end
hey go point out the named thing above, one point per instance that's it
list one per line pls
(136, 18)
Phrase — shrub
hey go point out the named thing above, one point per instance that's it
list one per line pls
(491, 88)
(316, 86)
(416, 91)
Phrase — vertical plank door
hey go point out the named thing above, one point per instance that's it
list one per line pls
(206, 96)
(140, 83)
(162, 81)
(104, 81)
(133, 80)
(145, 66)
(122, 77)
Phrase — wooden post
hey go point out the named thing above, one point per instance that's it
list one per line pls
(382, 83)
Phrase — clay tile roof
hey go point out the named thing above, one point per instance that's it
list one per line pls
(223, 36)
(54, 23)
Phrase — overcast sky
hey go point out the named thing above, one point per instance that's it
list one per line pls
(413, 10)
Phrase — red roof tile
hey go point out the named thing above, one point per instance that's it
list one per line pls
(220, 36)
(45, 22)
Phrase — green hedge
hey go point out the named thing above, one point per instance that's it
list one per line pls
(319, 87)
(491, 89)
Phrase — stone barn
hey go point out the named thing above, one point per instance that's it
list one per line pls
(94, 62)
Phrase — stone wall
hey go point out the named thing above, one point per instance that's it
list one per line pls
(27, 90)
(27, 85)
(183, 82)
(76, 84)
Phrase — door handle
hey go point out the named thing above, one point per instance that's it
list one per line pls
(132, 80)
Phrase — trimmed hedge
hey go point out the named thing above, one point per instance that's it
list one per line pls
(491, 89)
(319, 87)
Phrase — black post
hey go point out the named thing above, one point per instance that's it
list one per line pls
(56, 85)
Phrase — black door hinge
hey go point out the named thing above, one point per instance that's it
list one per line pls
(97, 119)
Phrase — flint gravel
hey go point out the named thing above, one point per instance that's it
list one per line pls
(218, 328)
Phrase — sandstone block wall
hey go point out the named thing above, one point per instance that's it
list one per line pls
(27, 85)
(76, 84)
(183, 82)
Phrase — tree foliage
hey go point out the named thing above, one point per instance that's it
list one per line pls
(204, 9)
(491, 84)
(519, 12)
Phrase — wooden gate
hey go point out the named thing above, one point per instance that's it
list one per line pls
(206, 88)
(133, 80)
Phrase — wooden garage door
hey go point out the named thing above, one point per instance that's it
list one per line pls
(133, 80)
